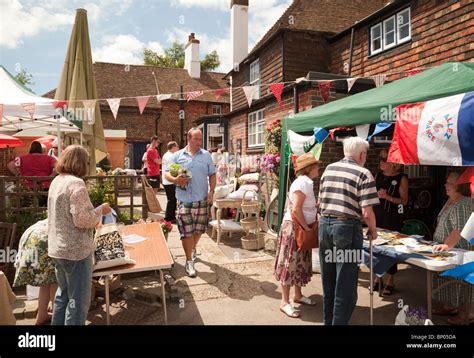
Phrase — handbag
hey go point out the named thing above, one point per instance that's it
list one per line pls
(305, 239)
(109, 249)
(153, 203)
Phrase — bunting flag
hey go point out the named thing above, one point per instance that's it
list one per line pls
(114, 104)
(320, 134)
(379, 80)
(89, 106)
(379, 128)
(412, 73)
(1, 113)
(300, 144)
(162, 97)
(250, 93)
(142, 101)
(436, 132)
(219, 92)
(60, 104)
(193, 95)
(334, 130)
(363, 131)
(350, 83)
(30, 108)
(325, 89)
(277, 89)
(468, 177)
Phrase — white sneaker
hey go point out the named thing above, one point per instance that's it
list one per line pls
(189, 268)
(194, 257)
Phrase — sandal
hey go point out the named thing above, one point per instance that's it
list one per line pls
(388, 290)
(290, 311)
(305, 301)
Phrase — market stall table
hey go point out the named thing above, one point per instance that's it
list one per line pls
(391, 254)
(149, 255)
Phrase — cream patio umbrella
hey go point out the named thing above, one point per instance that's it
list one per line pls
(77, 83)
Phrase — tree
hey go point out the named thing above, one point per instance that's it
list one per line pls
(24, 78)
(174, 57)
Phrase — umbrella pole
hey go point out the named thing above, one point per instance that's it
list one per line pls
(58, 130)
(82, 139)
(371, 282)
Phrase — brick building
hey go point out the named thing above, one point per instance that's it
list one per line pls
(161, 118)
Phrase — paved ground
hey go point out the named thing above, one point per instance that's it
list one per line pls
(235, 287)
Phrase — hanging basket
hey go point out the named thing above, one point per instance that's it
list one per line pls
(250, 223)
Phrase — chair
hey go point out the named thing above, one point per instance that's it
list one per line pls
(7, 238)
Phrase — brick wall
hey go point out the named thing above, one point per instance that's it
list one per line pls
(442, 31)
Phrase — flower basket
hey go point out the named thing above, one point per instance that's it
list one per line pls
(249, 224)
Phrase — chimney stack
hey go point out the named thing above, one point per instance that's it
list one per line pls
(239, 30)
(191, 57)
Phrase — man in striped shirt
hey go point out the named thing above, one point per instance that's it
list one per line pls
(347, 193)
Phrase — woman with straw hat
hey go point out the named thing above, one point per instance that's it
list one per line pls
(293, 267)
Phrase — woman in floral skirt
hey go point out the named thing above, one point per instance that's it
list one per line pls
(293, 267)
(35, 268)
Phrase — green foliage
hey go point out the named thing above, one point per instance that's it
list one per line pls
(24, 78)
(174, 58)
(102, 192)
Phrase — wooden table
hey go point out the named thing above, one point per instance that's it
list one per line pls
(150, 254)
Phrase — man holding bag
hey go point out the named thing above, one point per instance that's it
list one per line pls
(293, 266)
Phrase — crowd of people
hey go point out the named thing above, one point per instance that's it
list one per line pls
(349, 196)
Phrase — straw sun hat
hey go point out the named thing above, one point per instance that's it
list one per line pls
(305, 160)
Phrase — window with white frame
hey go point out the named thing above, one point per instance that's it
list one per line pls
(391, 32)
(255, 77)
(216, 109)
(256, 127)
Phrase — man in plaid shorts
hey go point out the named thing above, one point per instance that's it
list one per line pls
(192, 194)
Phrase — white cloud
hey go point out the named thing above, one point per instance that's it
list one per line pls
(17, 22)
(207, 4)
(23, 19)
(125, 49)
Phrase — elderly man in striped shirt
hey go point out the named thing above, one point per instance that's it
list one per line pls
(347, 193)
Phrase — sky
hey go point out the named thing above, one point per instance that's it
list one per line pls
(34, 34)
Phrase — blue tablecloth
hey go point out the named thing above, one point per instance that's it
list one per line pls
(385, 257)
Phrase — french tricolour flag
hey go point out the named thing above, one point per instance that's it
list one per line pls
(437, 132)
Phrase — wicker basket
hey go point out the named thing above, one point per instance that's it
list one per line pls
(253, 242)
(249, 206)
(250, 223)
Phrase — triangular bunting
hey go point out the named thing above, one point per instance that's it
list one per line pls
(320, 134)
(114, 104)
(379, 127)
(412, 73)
(277, 89)
(250, 93)
(219, 92)
(334, 130)
(142, 101)
(324, 89)
(162, 97)
(89, 107)
(60, 104)
(193, 95)
(30, 108)
(350, 83)
(379, 80)
(467, 177)
(363, 131)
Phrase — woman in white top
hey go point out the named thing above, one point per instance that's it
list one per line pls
(293, 267)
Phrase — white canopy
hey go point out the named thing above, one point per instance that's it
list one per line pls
(15, 97)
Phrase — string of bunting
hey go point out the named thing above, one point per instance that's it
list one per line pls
(250, 92)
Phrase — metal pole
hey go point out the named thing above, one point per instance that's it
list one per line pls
(58, 129)
(371, 281)
(181, 117)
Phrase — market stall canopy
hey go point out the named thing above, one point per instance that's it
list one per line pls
(17, 100)
(7, 141)
(370, 106)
